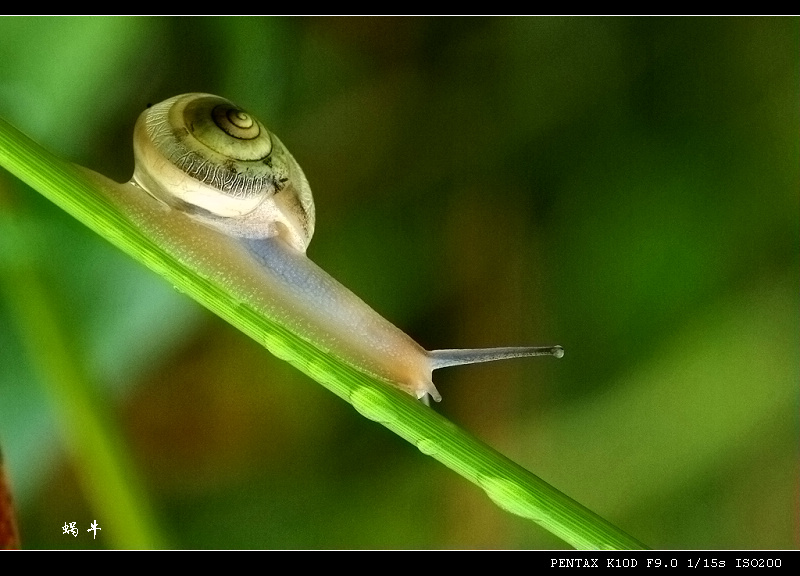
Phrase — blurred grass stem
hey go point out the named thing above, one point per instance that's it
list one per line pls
(100, 461)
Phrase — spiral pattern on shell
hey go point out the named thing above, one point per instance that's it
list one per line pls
(206, 156)
(215, 142)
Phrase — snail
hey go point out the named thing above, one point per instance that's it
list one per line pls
(207, 161)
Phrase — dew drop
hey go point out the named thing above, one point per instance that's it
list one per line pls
(371, 404)
(428, 446)
(511, 497)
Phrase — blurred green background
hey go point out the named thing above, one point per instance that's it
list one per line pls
(627, 188)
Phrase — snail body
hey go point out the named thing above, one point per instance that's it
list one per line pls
(239, 199)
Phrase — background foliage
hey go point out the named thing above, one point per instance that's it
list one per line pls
(627, 188)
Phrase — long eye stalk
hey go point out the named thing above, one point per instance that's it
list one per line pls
(445, 358)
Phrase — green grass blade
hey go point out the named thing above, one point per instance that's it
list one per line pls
(509, 485)
(105, 472)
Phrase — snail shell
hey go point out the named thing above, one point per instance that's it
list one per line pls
(204, 155)
(218, 165)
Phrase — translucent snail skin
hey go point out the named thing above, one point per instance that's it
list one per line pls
(229, 191)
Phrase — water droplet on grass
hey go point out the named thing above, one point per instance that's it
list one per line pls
(371, 404)
(511, 497)
(428, 446)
